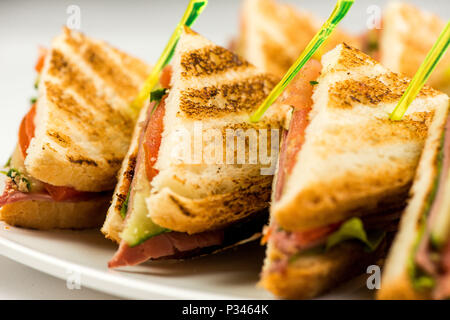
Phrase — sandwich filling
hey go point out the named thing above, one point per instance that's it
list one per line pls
(369, 230)
(430, 260)
(19, 185)
(142, 239)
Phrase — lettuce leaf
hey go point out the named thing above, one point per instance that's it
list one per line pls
(353, 229)
(157, 95)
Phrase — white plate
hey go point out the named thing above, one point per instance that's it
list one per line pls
(138, 30)
(83, 255)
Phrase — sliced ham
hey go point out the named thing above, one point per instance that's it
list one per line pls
(164, 245)
(12, 196)
(443, 284)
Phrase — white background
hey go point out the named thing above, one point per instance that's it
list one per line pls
(138, 27)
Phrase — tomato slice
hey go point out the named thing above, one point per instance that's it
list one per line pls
(155, 127)
(299, 95)
(26, 130)
(306, 238)
(41, 58)
(166, 76)
(59, 193)
(152, 139)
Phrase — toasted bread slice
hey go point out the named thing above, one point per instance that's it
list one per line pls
(84, 121)
(211, 84)
(310, 275)
(273, 35)
(45, 215)
(355, 160)
(212, 90)
(396, 282)
(114, 222)
(407, 37)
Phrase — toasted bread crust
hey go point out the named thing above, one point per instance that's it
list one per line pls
(182, 214)
(114, 222)
(46, 215)
(316, 206)
(353, 167)
(310, 276)
(83, 119)
(408, 35)
(396, 282)
(274, 34)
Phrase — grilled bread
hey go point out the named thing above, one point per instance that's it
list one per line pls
(407, 36)
(83, 121)
(273, 35)
(47, 215)
(311, 275)
(212, 90)
(396, 281)
(83, 127)
(354, 162)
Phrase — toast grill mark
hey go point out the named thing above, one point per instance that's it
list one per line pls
(72, 77)
(217, 101)
(96, 129)
(61, 139)
(96, 57)
(385, 88)
(128, 176)
(133, 64)
(180, 206)
(376, 133)
(210, 60)
(67, 104)
(352, 58)
(81, 160)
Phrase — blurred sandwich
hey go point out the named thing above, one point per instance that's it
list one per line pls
(75, 136)
(407, 36)
(344, 172)
(172, 200)
(418, 265)
(273, 35)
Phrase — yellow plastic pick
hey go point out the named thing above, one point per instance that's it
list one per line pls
(341, 9)
(193, 10)
(422, 75)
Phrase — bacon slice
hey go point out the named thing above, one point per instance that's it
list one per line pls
(164, 245)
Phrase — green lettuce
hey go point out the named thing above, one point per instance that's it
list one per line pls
(157, 95)
(353, 229)
(124, 209)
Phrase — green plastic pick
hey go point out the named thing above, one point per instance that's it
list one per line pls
(339, 12)
(193, 10)
(422, 75)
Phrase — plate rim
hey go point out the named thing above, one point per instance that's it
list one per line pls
(110, 281)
